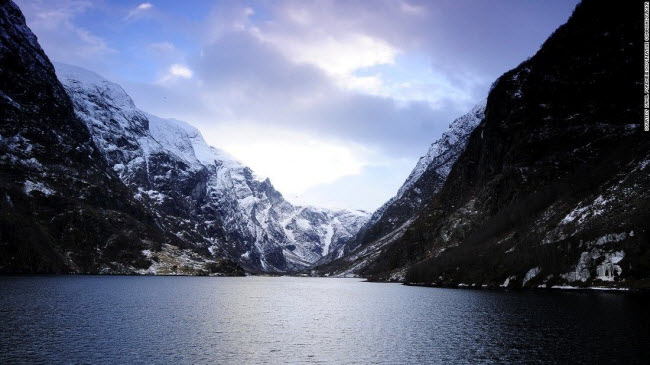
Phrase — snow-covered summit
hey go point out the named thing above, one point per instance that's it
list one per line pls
(187, 142)
(456, 134)
(440, 157)
(93, 93)
(76, 78)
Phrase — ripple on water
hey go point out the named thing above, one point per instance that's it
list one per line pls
(194, 320)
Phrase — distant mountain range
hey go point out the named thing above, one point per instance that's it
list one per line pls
(544, 184)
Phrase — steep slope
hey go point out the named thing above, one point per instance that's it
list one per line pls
(207, 198)
(390, 220)
(552, 188)
(61, 208)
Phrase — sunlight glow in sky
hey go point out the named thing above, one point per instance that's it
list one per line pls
(334, 101)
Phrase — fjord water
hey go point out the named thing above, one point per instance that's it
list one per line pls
(189, 320)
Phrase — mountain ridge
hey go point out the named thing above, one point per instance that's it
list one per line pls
(541, 186)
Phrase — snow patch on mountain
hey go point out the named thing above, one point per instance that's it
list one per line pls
(395, 214)
(455, 136)
(442, 153)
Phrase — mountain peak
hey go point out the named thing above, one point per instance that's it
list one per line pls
(74, 76)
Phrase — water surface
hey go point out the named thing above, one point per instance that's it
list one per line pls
(189, 320)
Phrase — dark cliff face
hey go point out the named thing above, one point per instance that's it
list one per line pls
(552, 186)
(62, 209)
(60, 203)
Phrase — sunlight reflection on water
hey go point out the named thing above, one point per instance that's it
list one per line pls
(95, 319)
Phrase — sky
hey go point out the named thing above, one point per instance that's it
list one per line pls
(334, 101)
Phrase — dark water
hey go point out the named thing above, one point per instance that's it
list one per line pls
(188, 320)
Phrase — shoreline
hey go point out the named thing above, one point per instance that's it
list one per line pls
(565, 288)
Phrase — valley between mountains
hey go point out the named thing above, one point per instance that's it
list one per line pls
(543, 184)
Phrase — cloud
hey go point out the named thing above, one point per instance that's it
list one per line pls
(310, 34)
(337, 56)
(373, 185)
(139, 11)
(238, 59)
(250, 80)
(58, 34)
(178, 70)
(372, 85)
(323, 97)
(412, 9)
(227, 16)
(295, 161)
(358, 47)
(144, 6)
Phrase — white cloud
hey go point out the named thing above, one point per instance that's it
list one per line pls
(180, 71)
(177, 71)
(339, 56)
(294, 161)
(412, 9)
(60, 37)
(372, 85)
(367, 190)
(138, 11)
(144, 6)
(312, 35)
(227, 17)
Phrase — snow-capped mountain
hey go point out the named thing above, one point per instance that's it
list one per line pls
(425, 180)
(438, 160)
(444, 152)
(203, 195)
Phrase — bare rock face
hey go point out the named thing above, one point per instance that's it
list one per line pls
(552, 186)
